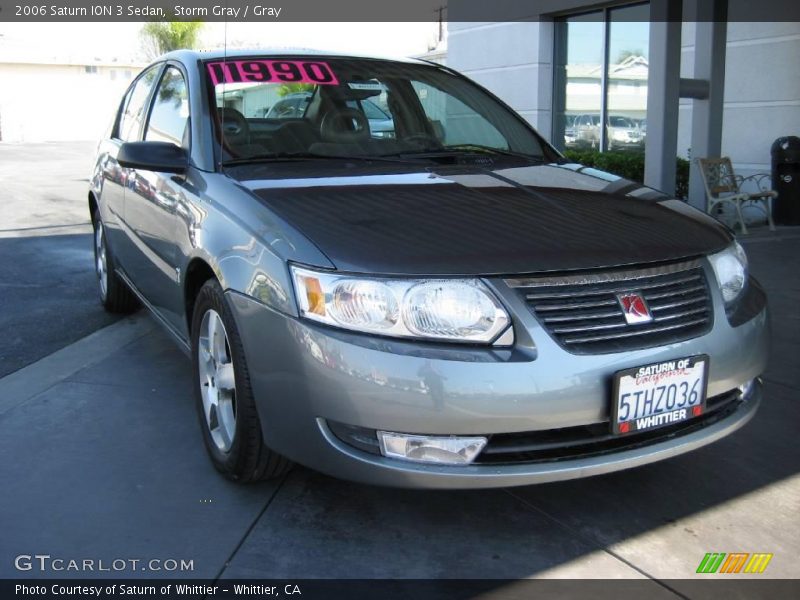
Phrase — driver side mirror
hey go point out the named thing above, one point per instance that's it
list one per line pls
(153, 156)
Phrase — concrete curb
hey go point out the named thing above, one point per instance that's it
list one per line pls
(37, 377)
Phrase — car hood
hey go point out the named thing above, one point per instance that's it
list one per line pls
(479, 220)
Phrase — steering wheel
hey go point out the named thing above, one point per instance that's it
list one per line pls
(345, 125)
(235, 128)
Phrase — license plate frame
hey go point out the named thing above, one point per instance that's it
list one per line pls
(659, 371)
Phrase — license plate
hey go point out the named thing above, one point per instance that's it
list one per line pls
(659, 394)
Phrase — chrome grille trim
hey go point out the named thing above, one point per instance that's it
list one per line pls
(598, 315)
(679, 315)
(583, 314)
(598, 338)
(602, 276)
(618, 289)
(677, 303)
(698, 288)
(581, 305)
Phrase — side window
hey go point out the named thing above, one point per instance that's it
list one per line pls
(136, 106)
(169, 119)
(373, 111)
(293, 107)
(121, 112)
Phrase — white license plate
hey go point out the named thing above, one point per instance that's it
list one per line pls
(659, 394)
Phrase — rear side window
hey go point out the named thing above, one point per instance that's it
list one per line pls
(373, 111)
(290, 108)
(169, 119)
(136, 106)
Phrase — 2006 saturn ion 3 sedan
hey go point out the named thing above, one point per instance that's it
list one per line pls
(443, 301)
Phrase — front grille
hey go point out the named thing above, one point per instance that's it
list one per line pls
(582, 312)
(595, 440)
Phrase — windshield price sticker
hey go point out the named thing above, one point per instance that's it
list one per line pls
(271, 71)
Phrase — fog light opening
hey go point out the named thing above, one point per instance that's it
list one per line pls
(746, 389)
(442, 450)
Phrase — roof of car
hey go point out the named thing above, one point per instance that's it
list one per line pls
(193, 55)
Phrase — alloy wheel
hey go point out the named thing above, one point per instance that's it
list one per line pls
(217, 382)
(100, 262)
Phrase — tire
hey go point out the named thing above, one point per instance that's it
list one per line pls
(115, 296)
(223, 394)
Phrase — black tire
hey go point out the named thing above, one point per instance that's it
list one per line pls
(115, 296)
(248, 459)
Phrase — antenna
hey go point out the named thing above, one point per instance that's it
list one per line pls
(439, 11)
(224, 62)
(225, 38)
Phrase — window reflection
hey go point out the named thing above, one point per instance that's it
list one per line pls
(583, 60)
(602, 62)
(628, 44)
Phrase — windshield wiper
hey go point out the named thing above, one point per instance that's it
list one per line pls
(303, 156)
(474, 148)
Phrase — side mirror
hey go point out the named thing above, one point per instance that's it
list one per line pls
(153, 156)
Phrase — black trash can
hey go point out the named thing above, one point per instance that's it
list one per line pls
(786, 180)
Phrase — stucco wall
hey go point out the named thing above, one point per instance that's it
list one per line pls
(762, 80)
(762, 91)
(513, 60)
(59, 102)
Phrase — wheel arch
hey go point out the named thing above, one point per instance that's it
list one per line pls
(94, 205)
(198, 271)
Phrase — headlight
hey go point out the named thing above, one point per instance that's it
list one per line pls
(730, 268)
(461, 310)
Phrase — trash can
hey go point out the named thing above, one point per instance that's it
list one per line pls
(786, 180)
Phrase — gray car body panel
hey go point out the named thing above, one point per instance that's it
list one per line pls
(304, 374)
(467, 220)
(309, 375)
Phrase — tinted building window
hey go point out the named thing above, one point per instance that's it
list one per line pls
(626, 78)
(601, 85)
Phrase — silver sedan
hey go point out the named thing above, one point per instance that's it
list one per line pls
(454, 305)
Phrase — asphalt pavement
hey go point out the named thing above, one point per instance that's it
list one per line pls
(47, 294)
(104, 459)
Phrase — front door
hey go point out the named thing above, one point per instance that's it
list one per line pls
(151, 199)
(115, 177)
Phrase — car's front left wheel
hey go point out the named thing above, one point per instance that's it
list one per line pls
(224, 397)
(115, 296)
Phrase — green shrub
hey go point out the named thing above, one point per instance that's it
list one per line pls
(682, 179)
(629, 165)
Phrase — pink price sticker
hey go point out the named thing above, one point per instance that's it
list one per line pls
(271, 71)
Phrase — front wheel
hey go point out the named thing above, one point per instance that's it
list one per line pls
(224, 397)
(115, 296)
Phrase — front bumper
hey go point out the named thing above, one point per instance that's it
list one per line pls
(305, 376)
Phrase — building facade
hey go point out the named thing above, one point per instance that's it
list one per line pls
(581, 64)
(47, 98)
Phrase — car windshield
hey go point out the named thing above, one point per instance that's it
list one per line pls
(304, 108)
(619, 122)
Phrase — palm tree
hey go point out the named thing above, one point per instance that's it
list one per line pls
(159, 37)
(293, 88)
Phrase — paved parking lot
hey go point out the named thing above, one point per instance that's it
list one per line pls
(47, 289)
(103, 456)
